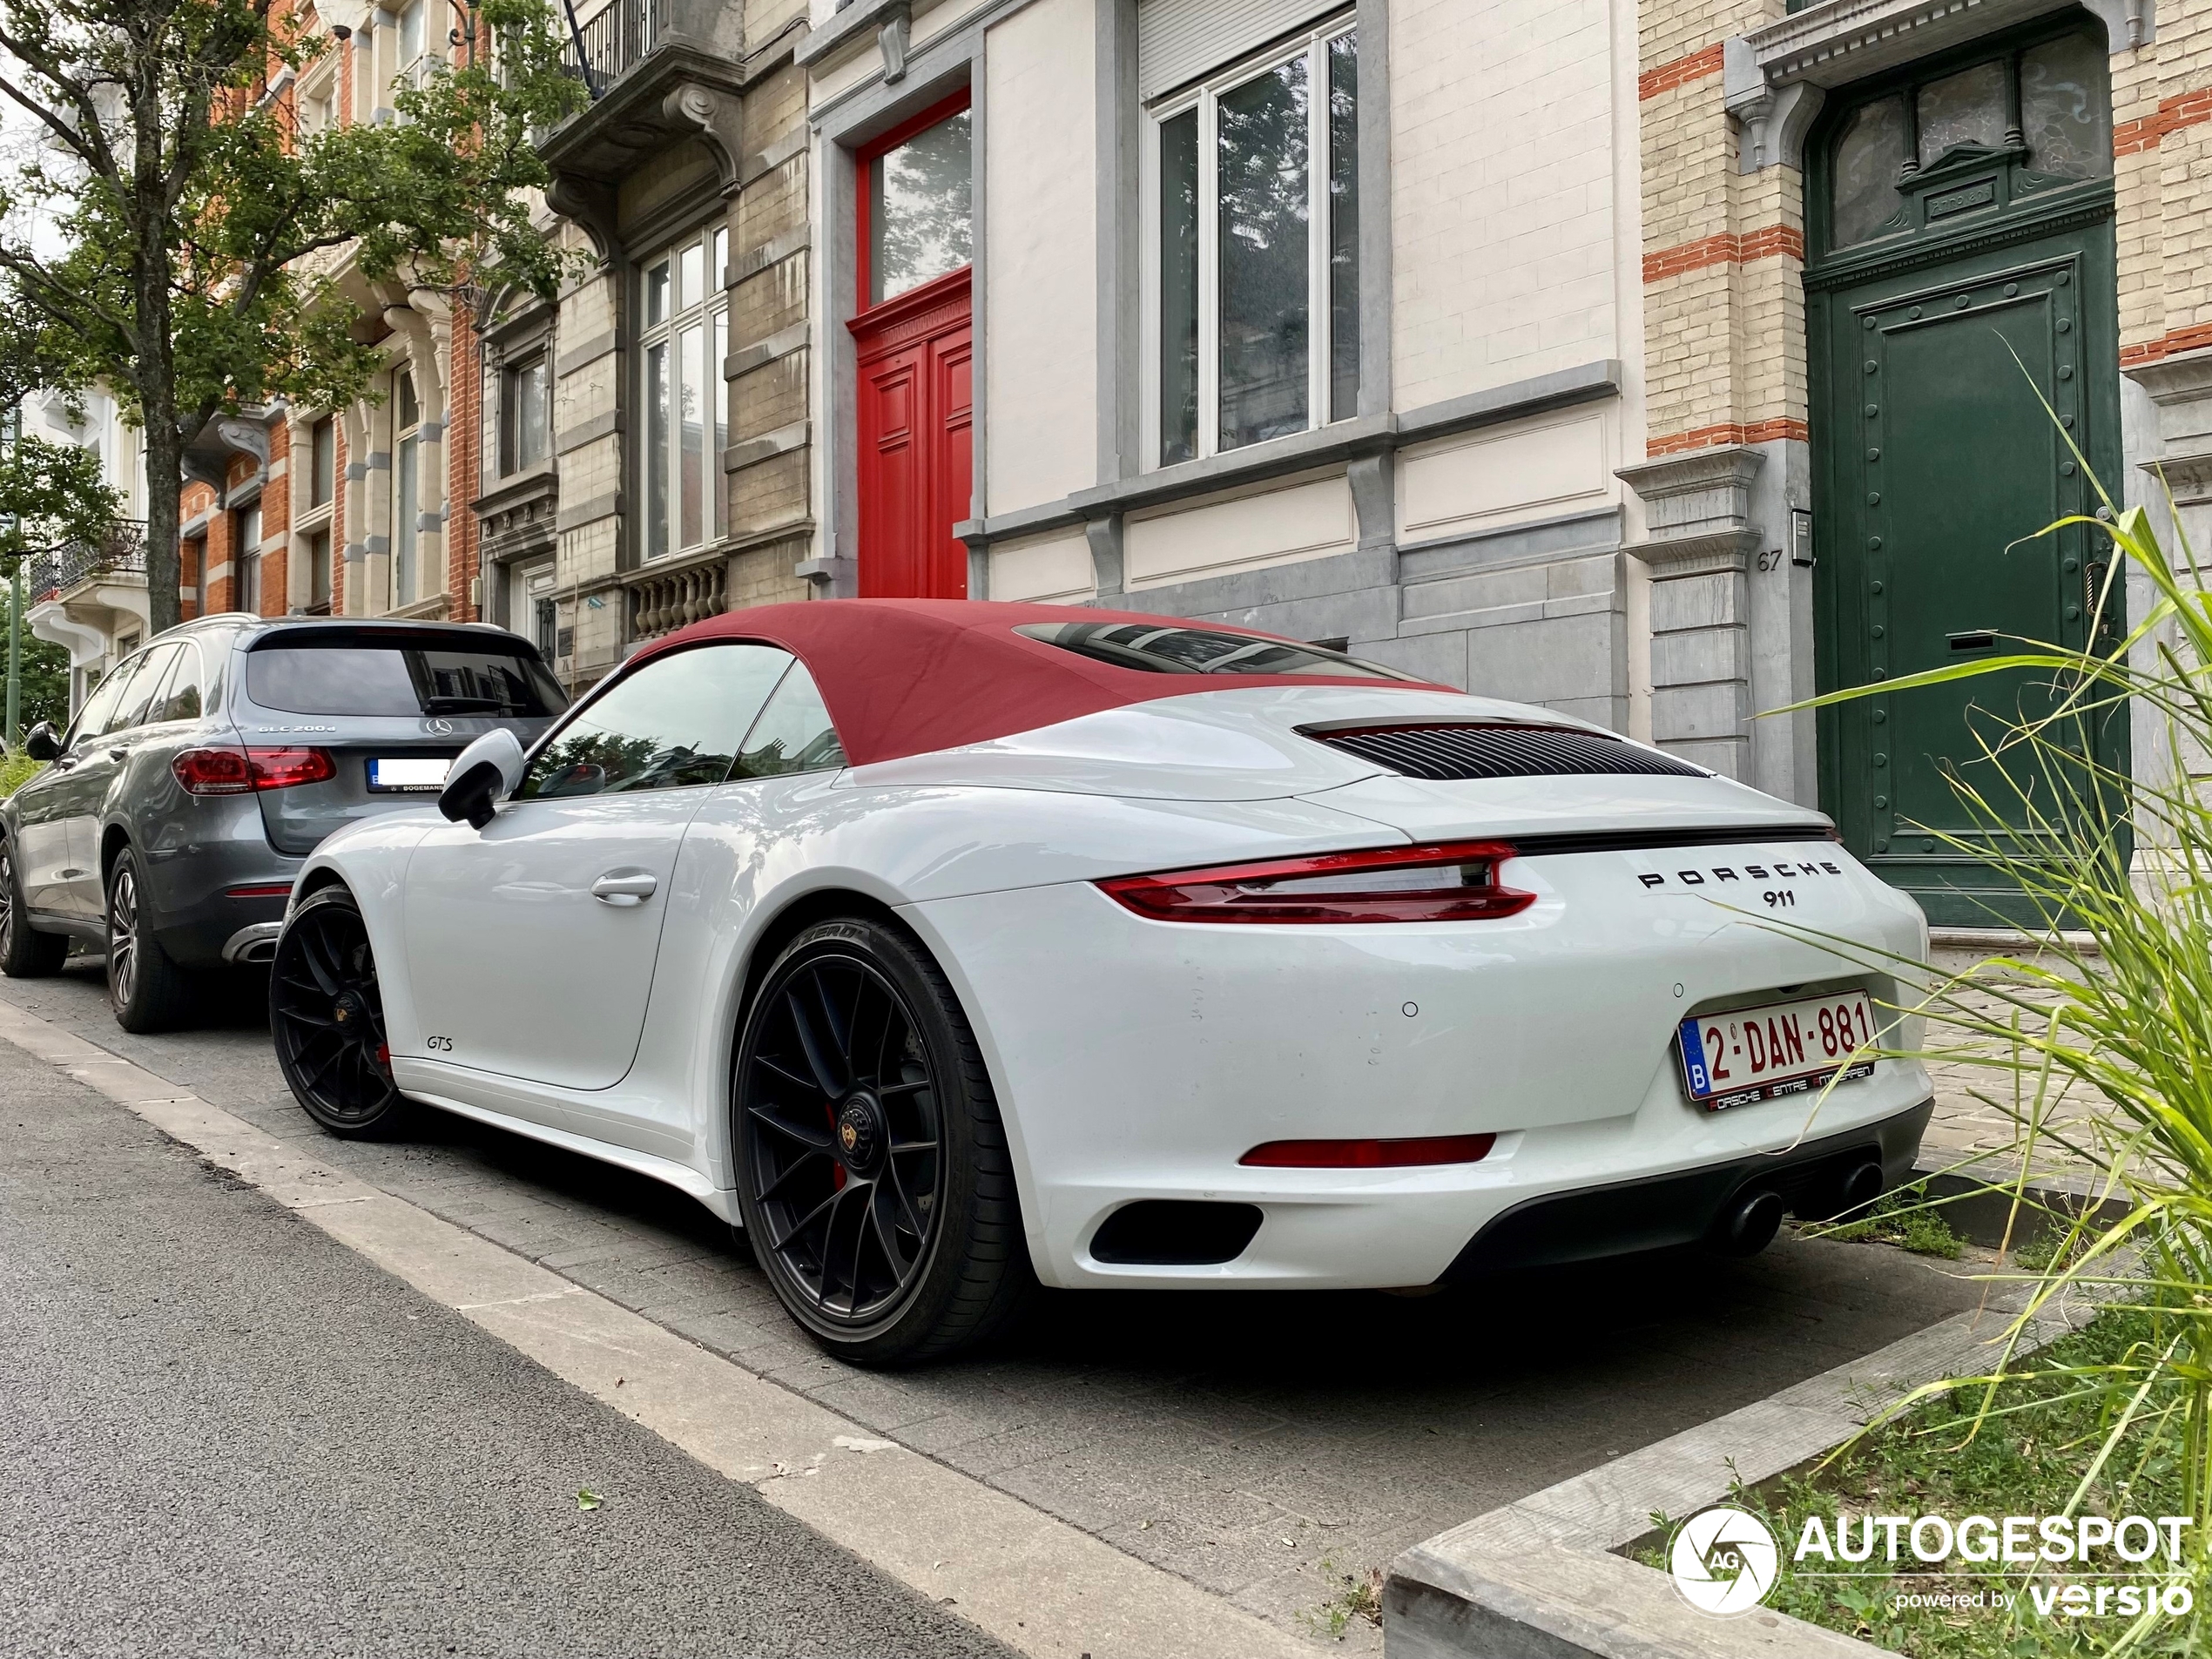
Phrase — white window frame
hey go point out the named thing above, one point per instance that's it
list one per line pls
(707, 310)
(318, 88)
(1205, 96)
(407, 515)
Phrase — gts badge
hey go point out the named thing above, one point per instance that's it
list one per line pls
(1714, 876)
(438, 1045)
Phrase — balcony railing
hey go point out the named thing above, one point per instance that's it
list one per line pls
(613, 41)
(121, 553)
(663, 600)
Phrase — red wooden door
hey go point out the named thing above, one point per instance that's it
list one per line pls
(916, 441)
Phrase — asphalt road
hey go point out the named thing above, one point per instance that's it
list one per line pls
(223, 1433)
(1243, 1440)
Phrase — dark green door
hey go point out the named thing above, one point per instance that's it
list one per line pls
(1974, 287)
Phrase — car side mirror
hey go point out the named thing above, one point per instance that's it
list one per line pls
(41, 742)
(484, 774)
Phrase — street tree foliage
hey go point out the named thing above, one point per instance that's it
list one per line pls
(43, 690)
(178, 239)
(51, 496)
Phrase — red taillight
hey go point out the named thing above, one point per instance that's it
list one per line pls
(1371, 1155)
(267, 890)
(1447, 881)
(239, 771)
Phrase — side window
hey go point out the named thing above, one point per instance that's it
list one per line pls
(181, 700)
(92, 719)
(675, 723)
(146, 687)
(793, 733)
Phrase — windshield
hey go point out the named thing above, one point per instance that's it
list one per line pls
(1179, 648)
(406, 678)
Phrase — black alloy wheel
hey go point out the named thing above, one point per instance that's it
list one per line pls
(24, 952)
(874, 1175)
(327, 1018)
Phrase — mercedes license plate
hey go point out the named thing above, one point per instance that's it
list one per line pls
(409, 775)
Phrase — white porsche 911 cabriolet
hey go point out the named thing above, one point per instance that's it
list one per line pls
(946, 947)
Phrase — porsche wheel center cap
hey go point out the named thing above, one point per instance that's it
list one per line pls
(860, 1133)
(347, 1009)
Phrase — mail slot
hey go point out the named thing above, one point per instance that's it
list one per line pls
(1981, 641)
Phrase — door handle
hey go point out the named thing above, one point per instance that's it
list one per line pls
(624, 887)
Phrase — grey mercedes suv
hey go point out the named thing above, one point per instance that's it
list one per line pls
(196, 779)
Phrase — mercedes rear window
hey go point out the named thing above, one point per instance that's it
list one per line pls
(1178, 647)
(405, 678)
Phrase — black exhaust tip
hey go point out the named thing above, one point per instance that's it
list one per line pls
(1843, 1192)
(1748, 1223)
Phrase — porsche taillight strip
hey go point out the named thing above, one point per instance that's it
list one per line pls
(1324, 887)
(1411, 1153)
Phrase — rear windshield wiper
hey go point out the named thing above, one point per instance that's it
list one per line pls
(464, 706)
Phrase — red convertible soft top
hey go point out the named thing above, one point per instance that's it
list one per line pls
(903, 676)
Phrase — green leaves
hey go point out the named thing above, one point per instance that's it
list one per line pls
(51, 494)
(196, 252)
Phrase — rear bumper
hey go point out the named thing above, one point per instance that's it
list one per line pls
(1658, 1212)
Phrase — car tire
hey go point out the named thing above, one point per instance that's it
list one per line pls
(24, 952)
(872, 1170)
(147, 991)
(326, 1017)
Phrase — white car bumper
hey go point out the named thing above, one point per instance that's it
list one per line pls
(1140, 1059)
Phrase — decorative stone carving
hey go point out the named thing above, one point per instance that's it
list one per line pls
(591, 203)
(1846, 40)
(891, 37)
(692, 107)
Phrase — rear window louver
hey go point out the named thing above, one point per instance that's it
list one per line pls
(1456, 753)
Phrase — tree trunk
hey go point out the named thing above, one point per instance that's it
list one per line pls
(165, 488)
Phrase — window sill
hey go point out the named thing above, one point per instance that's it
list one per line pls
(1339, 441)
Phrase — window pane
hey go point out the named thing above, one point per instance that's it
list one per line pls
(1343, 227)
(411, 34)
(401, 679)
(657, 391)
(406, 411)
(794, 732)
(530, 413)
(146, 686)
(181, 700)
(2064, 110)
(324, 477)
(92, 719)
(1176, 648)
(719, 396)
(1179, 287)
(676, 722)
(1964, 108)
(319, 570)
(656, 294)
(404, 507)
(917, 209)
(718, 257)
(1868, 158)
(1262, 161)
(691, 285)
(694, 436)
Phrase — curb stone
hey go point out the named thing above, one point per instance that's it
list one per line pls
(1541, 1578)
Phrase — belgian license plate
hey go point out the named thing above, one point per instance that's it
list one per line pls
(409, 775)
(1750, 1055)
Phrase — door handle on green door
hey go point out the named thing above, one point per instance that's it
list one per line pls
(624, 887)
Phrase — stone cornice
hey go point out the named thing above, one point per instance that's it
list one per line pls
(1773, 79)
